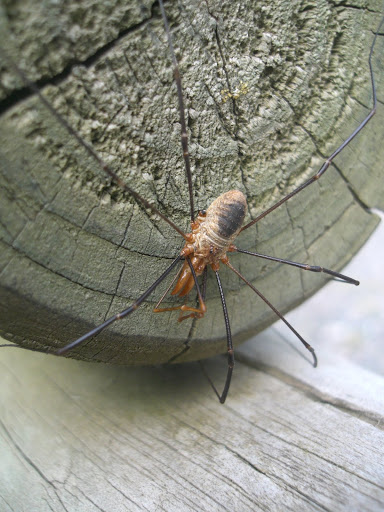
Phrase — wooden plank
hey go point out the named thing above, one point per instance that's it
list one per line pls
(78, 436)
(335, 380)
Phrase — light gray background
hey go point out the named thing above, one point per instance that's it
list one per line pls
(346, 319)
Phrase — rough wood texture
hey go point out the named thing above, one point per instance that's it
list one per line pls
(81, 437)
(75, 250)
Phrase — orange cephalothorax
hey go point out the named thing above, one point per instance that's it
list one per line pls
(212, 234)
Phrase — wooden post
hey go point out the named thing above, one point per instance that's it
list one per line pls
(270, 89)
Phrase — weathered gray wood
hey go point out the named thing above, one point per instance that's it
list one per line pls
(74, 250)
(335, 381)
(81, 437)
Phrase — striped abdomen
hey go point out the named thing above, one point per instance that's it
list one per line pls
(222, 224)
(212, 234)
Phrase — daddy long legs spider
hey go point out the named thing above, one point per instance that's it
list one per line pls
(231, 125)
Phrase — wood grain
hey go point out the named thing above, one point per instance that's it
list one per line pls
(76, 436)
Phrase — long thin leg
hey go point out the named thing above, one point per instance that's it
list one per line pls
(306, 345)
(230, 351)
(121, 315)
(204, 287)
(328, 162)
(156, 308)
(187, 346)
(33, 87)
(196, 312)
(184, 135)
(303, 266)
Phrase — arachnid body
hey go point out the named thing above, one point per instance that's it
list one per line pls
(247, 119)
(212, 235)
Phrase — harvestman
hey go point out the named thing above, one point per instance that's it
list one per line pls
(212, 232)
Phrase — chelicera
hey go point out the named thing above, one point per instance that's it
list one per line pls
(213, 232)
